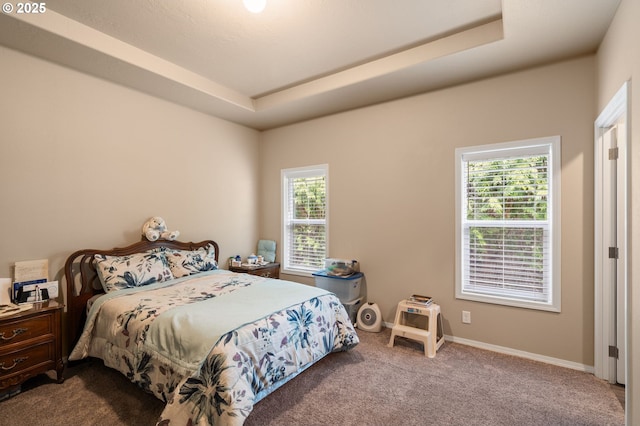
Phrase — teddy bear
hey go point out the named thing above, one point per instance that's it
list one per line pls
(155, 228)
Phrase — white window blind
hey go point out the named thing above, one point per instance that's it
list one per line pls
(506, 245)
(305, 218)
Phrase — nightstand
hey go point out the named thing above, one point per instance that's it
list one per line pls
(30, 344)
(270, 270)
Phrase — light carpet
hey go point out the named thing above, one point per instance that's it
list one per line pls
(370, 385)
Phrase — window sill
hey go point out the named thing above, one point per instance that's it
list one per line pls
(496, 300)
(298, 272)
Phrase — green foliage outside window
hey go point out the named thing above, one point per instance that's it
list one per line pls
(310, 198)
(509, 256)
(511, 189)
(309, 245)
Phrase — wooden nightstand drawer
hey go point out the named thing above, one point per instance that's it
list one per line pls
(24, 329)
(270, 270)
(25, 358)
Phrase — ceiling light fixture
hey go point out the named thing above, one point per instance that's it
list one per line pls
(255, 6)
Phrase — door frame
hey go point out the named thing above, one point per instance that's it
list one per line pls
(604, 320)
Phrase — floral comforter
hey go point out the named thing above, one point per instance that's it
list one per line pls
(213, 344)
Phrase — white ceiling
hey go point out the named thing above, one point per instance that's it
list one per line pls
(300, 59)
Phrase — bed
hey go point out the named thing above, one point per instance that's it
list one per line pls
(208, 342)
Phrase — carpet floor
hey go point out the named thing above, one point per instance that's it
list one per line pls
(370, 385)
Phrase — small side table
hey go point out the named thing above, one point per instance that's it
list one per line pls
(270, 270)
(30, 344)
(432, 337)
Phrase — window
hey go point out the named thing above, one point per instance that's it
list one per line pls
(508, 223)
(304, 219)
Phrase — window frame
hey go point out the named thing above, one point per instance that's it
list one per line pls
(286, 176)
(552, 147)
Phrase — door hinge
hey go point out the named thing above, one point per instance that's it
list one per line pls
(613, 352)
(613, 252)
(613, 153)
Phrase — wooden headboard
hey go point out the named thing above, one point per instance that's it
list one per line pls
(83, 282)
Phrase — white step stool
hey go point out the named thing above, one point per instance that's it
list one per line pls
(432, 338)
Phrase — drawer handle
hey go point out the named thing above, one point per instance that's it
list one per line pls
(16, 361)
(16, 332)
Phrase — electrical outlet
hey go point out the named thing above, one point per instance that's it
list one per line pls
(466, 317)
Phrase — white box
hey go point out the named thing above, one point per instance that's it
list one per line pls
(346, 288)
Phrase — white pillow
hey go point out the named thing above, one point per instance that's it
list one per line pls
(188, 262)
(119, 272)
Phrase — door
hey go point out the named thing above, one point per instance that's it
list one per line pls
(613, 229)
(621, 244)
(610, 237)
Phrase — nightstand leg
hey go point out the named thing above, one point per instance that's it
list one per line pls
(60, 371)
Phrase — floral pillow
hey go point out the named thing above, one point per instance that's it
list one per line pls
(188, 262)
(119, 272)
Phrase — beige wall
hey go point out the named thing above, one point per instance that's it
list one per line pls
(391, 173)
(84, 163)
(618, 60)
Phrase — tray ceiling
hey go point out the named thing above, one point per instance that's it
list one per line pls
(301, 59)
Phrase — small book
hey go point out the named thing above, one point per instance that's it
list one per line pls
(420, 299)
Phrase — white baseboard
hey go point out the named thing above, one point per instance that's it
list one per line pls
(522, 354)
(515, 352)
